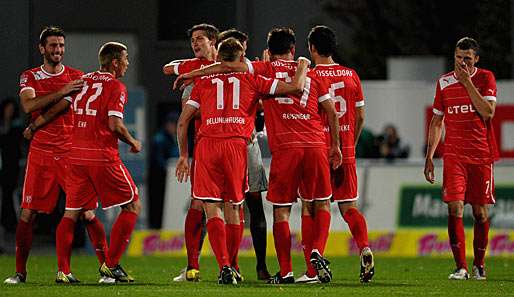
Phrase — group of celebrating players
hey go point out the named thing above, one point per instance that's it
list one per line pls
(313, 119)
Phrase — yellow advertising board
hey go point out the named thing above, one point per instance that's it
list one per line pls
(400, 243)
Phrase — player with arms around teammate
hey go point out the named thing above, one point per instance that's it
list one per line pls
(96, 170)
(227, 124)
(465, 100)
(42, 88)
(344, 86)
(203, 43)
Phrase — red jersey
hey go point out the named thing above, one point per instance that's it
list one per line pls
(93, 143)
(54, 137)
(292, 120)
(228, 103)
(344, 86)
(188, 65)
(468, 137)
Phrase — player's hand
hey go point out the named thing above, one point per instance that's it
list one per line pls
(335, 157)
(72, 86)
(429, 170)
(302, 61)
(27, 133)
(182, 169)
(462, 72)
(182, 82)
(136, 147)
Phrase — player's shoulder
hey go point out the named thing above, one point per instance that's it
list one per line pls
(73, 71)
(484, 73)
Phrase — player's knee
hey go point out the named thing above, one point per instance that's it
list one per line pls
(480, 215)
(456, 209)
(322, 205)
(346, 206)
(196, 204)
(88, 215)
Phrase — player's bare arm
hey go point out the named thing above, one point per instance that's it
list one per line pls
(224, 67)
(359, 122)
(43, 119)
(484, 107)
(435, 131)
(298, 83)
(30, 102)
(335, 157)
(182, 169)
(118, 127)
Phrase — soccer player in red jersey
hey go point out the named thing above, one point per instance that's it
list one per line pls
(204, 38)
(465, 100)
(257, 183)
(227, 124)
(96, 170)
(43, 88)
(294, 124)
(344, 86)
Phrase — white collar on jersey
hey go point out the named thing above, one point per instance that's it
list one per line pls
(51, 74)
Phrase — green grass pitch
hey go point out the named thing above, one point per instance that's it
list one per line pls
(394, 277)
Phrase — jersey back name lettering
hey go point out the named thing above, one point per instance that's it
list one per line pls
(292, 120)
(228, 102)
(93, 142)
(344, 86)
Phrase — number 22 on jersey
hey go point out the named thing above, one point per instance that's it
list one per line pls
(89, 111)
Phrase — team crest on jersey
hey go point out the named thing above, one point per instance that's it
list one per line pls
(28, 199)
(23, 79)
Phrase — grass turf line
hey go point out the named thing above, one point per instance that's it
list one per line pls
(394, 277)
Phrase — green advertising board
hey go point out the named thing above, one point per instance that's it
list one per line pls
(422, 206)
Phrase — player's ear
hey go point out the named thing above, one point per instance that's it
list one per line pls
(293, 50)
(41, 49)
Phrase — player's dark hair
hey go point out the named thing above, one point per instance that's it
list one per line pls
(324, 40)
(110, 51)
(229, 50)
(468, 43)
(50, 31)
(281, 41)
(210, 31)
(239, 35)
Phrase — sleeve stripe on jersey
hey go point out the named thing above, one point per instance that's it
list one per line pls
(175, 69)
(193, 104)
(68, 98)
(273, 87)
(115, 113)
(324, 98)
(27, 88)
(490, 98)
(359, 103)
(437, 112)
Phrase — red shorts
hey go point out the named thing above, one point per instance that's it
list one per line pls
(220, 170)
(299, 172)
(112, 184)
(471, 183)
(44, 175)
(344, 183)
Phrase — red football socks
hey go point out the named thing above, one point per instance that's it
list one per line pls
(321, 229)
(457, 241)
(63, 243)
(192, 234)
(233, 233)
(480, 240)
(218, 240)
(357, 224)
(282, 237)
(23, 245)
(96, 233)
(120, 236)
(307, 238)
